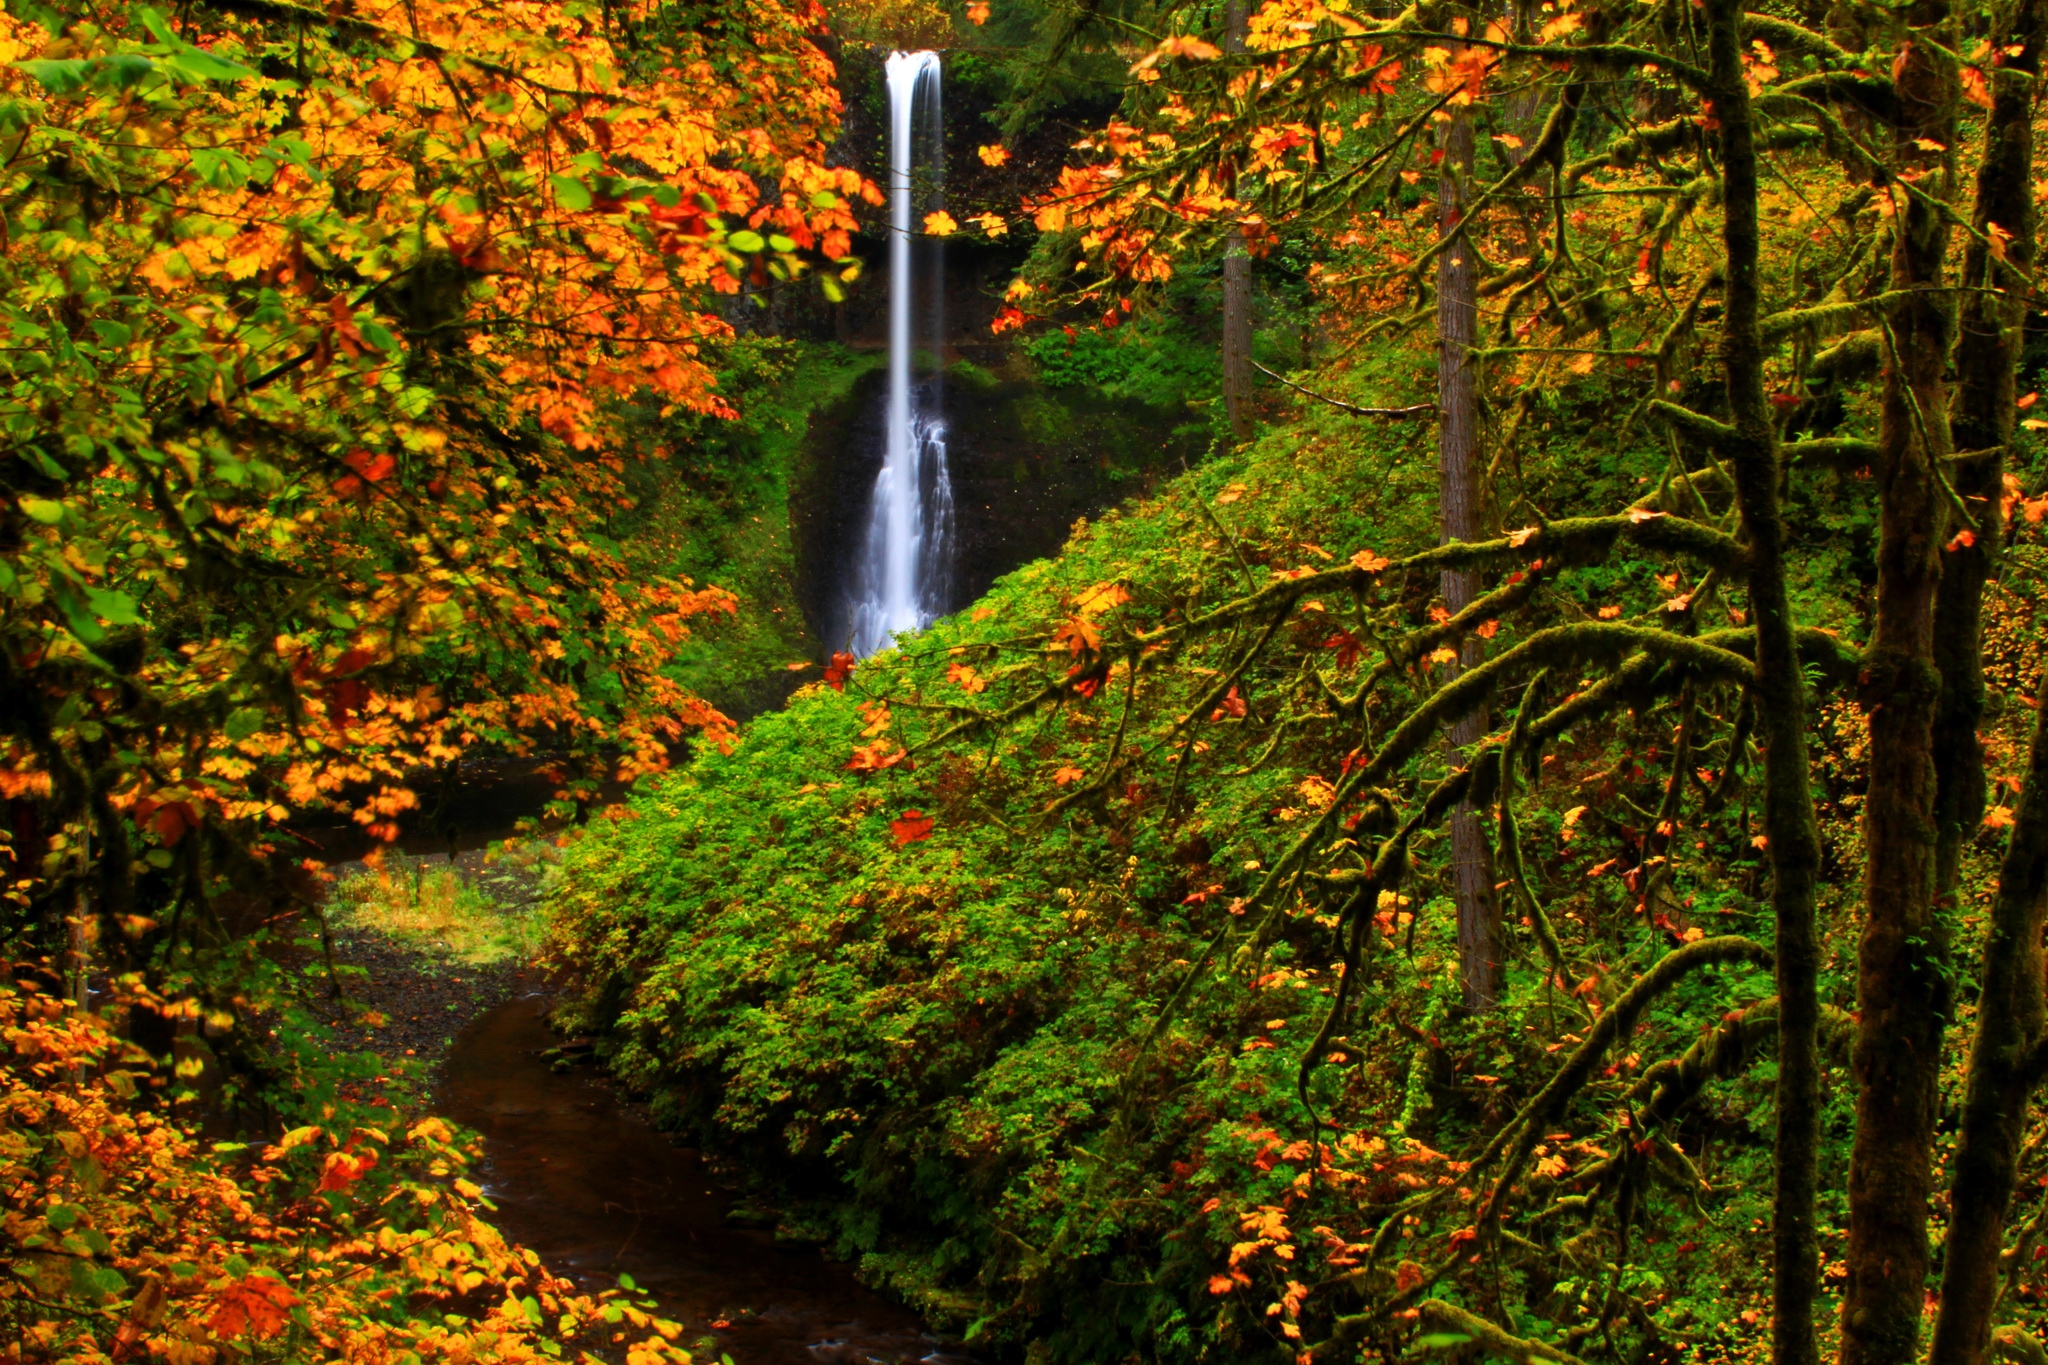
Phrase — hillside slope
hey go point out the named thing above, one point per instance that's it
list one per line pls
(1002, 957)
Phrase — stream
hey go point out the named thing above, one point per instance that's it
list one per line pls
(589, 1184)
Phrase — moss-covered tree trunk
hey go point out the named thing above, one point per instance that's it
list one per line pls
(2010, 1003)
(1458, 518)
(1237, 287)
(1899, 984)
(1788, 819)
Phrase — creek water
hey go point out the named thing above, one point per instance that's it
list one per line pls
(587, 1182)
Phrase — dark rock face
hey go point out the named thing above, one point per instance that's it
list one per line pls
(1026, 463)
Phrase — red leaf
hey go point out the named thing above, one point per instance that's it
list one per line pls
(910, 827)
(839, 670)
(167, 820)
(375, 468)
(1233, 706)
(255, 1304)
(1088, 683)
(344, 1169)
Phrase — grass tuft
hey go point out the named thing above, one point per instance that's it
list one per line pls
(434, 909)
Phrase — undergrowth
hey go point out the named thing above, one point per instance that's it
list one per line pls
(995, 993)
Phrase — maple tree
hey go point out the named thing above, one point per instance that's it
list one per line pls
(318, 325)
(129, 1238)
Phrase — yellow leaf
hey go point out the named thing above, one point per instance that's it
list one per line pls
(1582, 365)
(940, 224)
(992, 154)
(1100, 598)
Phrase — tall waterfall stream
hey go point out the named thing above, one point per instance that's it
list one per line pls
(901, 581)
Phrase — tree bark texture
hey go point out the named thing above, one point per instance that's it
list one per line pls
(1983, 407)
(1458, 518)
(1793, 838)
(2010, 1004)
(1237, 289)
(1899, 987)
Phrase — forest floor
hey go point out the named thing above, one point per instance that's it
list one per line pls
(424, 946)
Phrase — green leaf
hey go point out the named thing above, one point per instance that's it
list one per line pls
(118, 608)
(158, 29)
(1437, 1341)
(43, 510)
(122, 71)
(195, 66)
(65, 76)
(243, 722)
(571, 195)
(746, 241)
(63, 1217)
(220, 167)
(779, 242)
(831, 287)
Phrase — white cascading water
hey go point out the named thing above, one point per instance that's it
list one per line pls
(902, 573)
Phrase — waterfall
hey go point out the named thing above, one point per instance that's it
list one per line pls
(901, 581)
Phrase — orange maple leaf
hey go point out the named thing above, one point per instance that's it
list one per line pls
(1100, 598)
(876, 757)
(1079, 636)
(256, 1304)
(911, 827)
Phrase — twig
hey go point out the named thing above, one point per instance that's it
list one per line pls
(1418, 410)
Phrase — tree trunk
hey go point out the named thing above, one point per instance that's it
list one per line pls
(1237, 289)
(2010, 1005)
(1899, 986)
(1458, 509)
(1793, 839)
